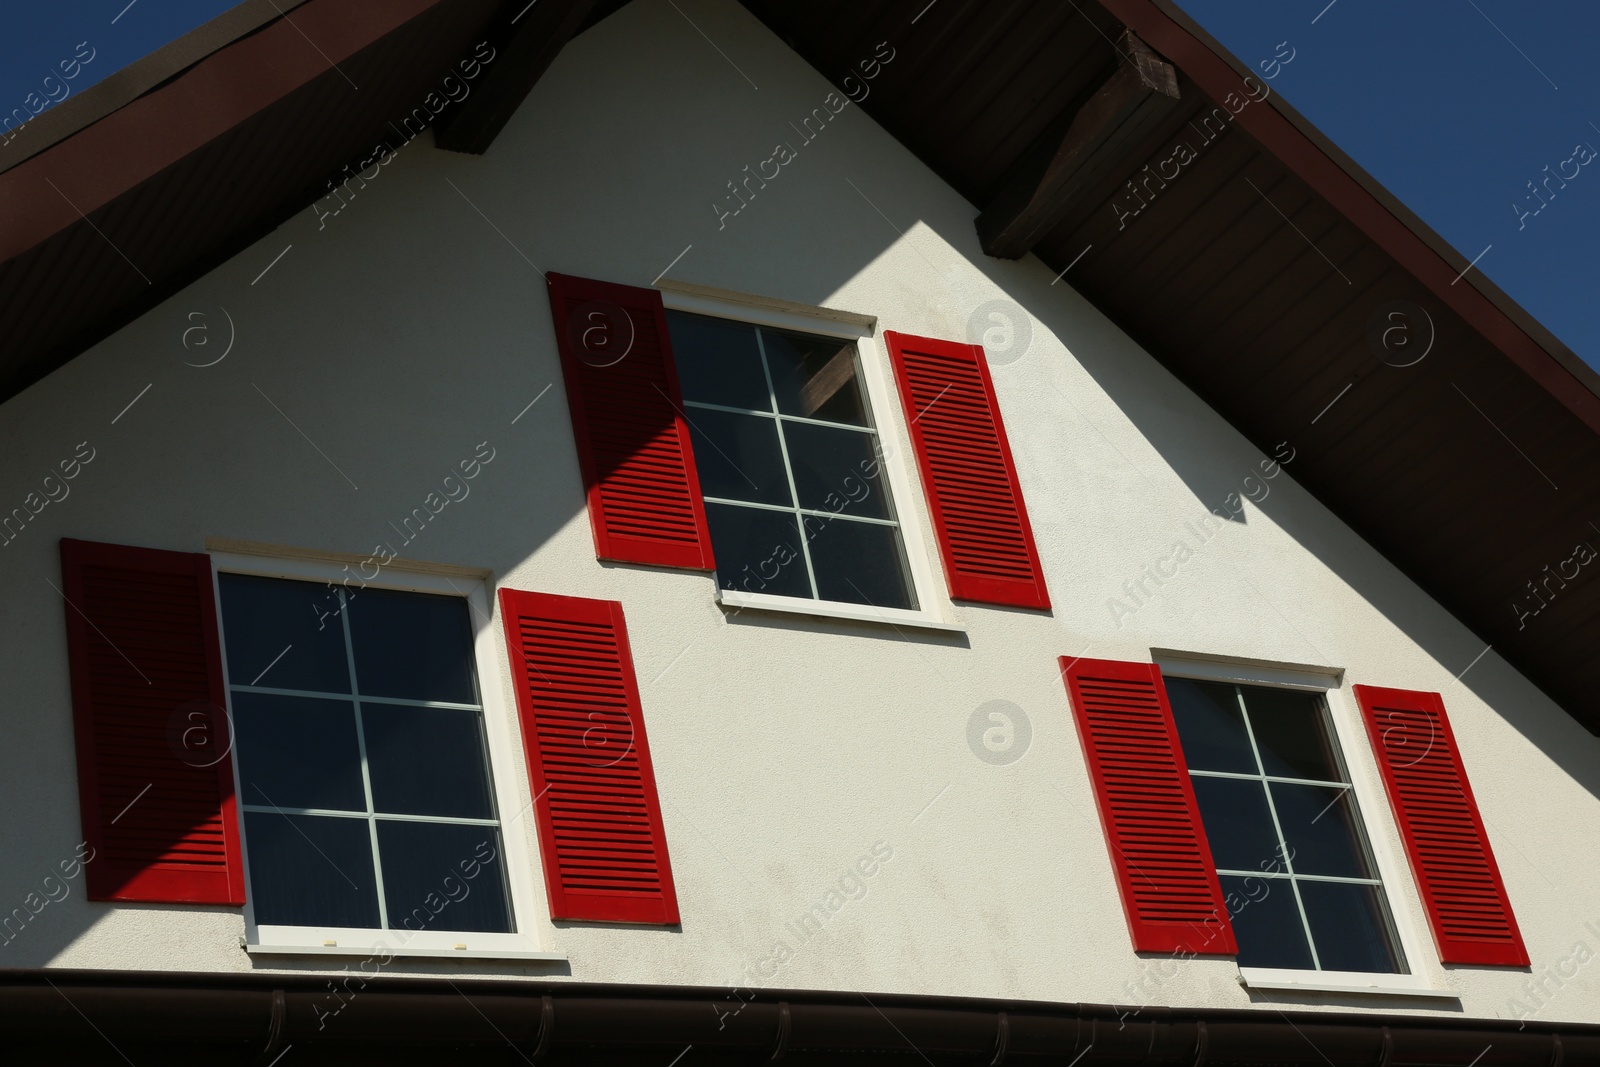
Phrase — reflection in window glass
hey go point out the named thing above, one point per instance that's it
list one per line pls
(363, 766)
(790, 464)
(1285, 834)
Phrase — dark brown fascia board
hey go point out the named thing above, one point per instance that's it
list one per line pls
(1140, 91)
(1350, 190)
(544, 30)
(121, 88)
(55, 189)
(409, 1020)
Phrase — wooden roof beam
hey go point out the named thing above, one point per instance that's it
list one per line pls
(531, 43)
(1111, 123)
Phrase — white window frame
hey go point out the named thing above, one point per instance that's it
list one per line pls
(1381, 835)
(501, 731)
(932, 612)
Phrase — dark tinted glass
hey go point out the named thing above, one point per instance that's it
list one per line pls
(815, 377)
(1349, 926)
(1210, 726)
(859, 563)
(425, 883)
(295, 623)
(412, 645)
(298, 752)
(1237, 821)
(307, 870)
(738, 456)
(1319, 823)
(837, 470)
(718, 362)
(1266, 922)
(757, 551)
(426, 761)
(1290, 733)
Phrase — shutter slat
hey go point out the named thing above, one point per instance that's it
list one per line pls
(1442, 829)
(161, 819)
(627, 417)
(1159, 851)
(600, 830)
(967, 471)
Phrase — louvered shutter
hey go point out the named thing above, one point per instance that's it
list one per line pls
(155, 781)
(966, 466)
(627, 415)
(1170, 891)
(1443, 832)
(600, 832)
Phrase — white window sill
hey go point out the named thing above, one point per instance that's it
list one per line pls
(830, 609)
(299, 941)
(1383, 985)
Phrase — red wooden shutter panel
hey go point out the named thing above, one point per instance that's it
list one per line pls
(627, 414)
(155, 781)
(1443, 832)
(984, 536)
(605, 852)
(1170, 891)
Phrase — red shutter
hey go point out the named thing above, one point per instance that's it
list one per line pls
(627, 414)
(605, 852)
(1440, 824)
(1170, 891)
(155, 781)
(967, 471)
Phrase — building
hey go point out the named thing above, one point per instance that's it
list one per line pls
(688, 531)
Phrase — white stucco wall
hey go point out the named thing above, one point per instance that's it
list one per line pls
(413, 325)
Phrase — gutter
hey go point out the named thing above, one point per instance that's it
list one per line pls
(254, 1018)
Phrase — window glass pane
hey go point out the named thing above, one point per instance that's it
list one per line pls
(1350, 927)
(426, 761)
(859, 563)
(295, 623)
(412, 645)
(443, 877)
(836, 470)
(738, 457)
(1210, 726)
(298, 752)
(1291, 734)
(1319, 823)
(307, 870)
(1238, 823)
(815, 377)
(1266, 922)
(758, 551)
(718, 362)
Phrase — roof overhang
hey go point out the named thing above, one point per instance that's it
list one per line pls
(177, 1018)
(121, 196)
(1260, 264)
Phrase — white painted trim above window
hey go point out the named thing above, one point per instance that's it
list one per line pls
(764, 310)
(834, 609)
(1246, 672)
(505, 764)
(1388, 985)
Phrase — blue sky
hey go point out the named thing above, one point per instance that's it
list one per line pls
(1454, 105)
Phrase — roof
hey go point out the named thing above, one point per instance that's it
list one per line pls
(1264, 268)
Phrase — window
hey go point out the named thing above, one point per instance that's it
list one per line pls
(790, 464)
(363, 764)
(1286, 836)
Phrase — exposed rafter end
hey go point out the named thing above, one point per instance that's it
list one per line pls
(531, 45)
(1137, 96)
